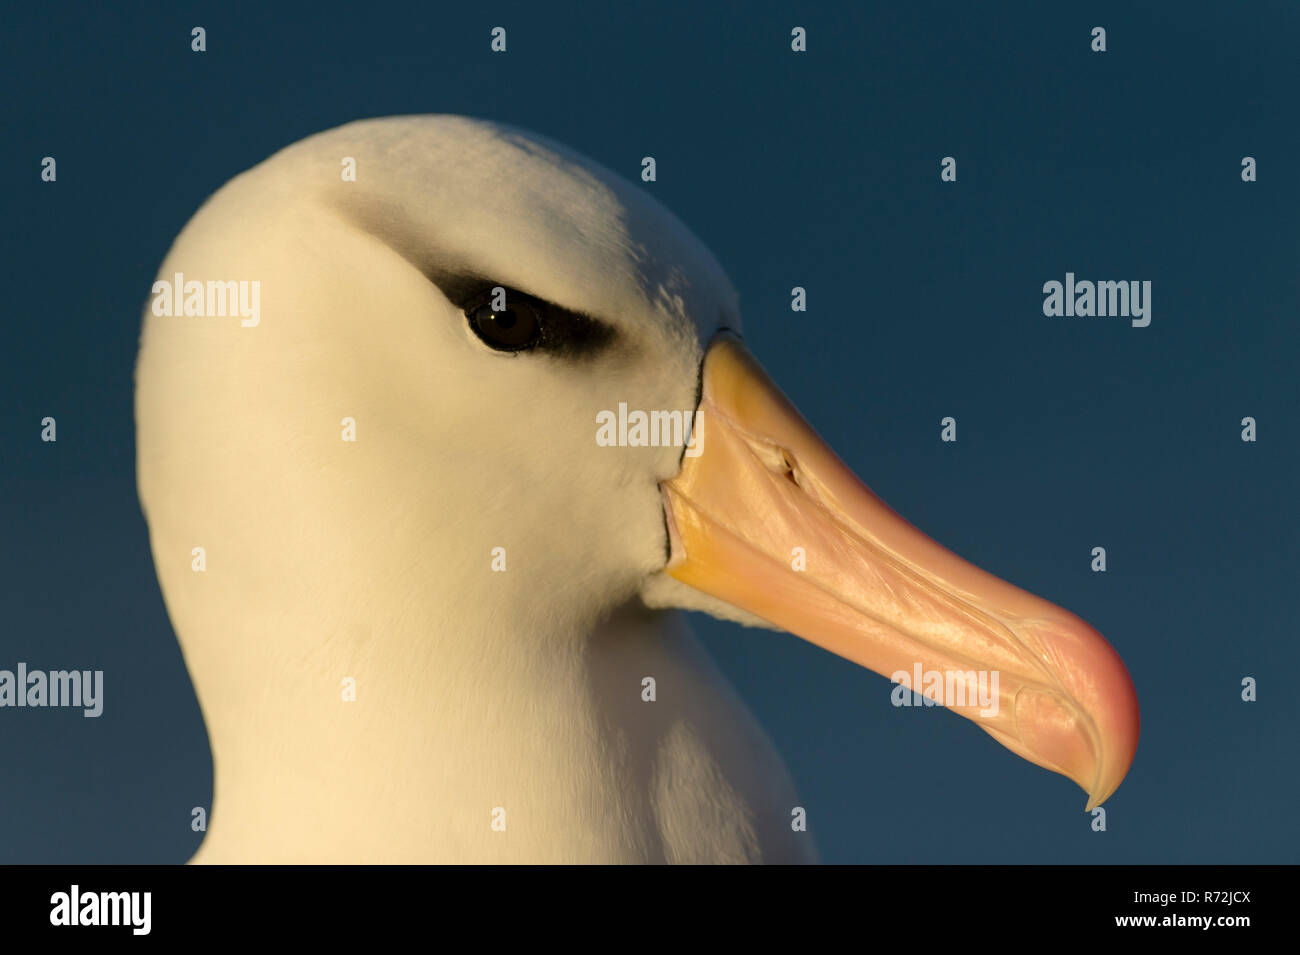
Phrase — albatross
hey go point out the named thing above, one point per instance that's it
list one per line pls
(429, 617)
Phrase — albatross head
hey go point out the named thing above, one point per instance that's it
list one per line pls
(398, 465)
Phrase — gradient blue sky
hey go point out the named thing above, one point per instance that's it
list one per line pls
(820, 170)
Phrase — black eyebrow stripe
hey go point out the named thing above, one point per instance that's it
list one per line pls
(574, 334)
(462, 289)
(566, 333)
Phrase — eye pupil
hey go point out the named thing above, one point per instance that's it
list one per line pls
(513, 328)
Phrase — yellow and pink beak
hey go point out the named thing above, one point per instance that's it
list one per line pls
(766, 517)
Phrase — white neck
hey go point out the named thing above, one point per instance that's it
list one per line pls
(551, 729)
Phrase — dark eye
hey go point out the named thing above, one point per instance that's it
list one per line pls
(515, 326)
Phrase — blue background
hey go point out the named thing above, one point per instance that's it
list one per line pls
(820, 170)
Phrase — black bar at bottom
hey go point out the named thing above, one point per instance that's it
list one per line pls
(867, 904)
